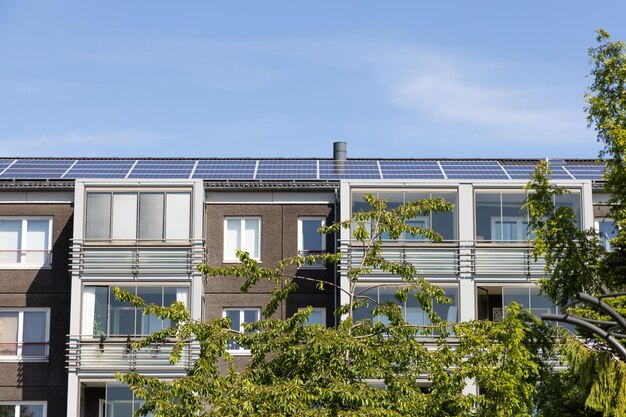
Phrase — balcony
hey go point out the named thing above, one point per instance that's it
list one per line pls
(132, 257)
(89, 354)
(451, 259)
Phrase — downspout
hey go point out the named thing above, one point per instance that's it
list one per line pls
(335, 274)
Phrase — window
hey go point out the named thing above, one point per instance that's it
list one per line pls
(22, 409)
(411, 309)
(120, 401)
(138, 215)
(442, 223)
(492, 301)
(24, 334)
(608, 230)
(103, 314)
(242, 233)
(25, 242)
(310, 241)
(317, 316)
(239, 316)
(500, 216)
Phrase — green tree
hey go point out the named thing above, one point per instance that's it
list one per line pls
(576, 261)
(366, 367)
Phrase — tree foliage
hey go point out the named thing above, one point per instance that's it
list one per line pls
(575, 259)
(369, 367)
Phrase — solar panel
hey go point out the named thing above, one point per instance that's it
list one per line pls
(5, 163)
(523, 172)
(162, 168)
(411, 169)
(92, 168)
(38, 169)
(225, 169)
(586, 172)
(478, 170)
(350, 169)
(287, 169)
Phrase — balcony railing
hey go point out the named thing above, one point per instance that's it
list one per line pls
(506, 259)
(451, 258)
(92, 354)
(428, 258)
(136, 257)
(25, 258)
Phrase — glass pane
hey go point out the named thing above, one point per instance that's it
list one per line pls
(251, 237)
(151, 215)
(512, 205)
(100, 317)
(517, 295)
(414, 313)
(7, 410)
(10, 241)
(358, 204)
(608, 230)
(572, 201)
(8, 333)
(487, 211)
(312, 240)
(122, 315)
(540, 304)
(365, 312)
(317, 316)
(178, 215)
(232, 238)
(448, 312)
(38, 241)
(34, 337)
(250, 316)
(124, 224)
(417, 222)
(234, 316)
(119, 401)
(508, 229)
(98, 222)
(149, 323)
(31, 410)
(445, 223)
(386, 295)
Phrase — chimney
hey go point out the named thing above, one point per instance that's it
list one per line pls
(339, 157)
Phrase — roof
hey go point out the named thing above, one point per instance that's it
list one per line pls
(290, 169)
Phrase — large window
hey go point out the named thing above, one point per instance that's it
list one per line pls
(22, 409)
(25, 242)
(138, 215)
(411, 309)
(310, 241)
(103, 314)
(493, 301)
(317, 316)
(24, 334)
(500, 216)
(242, 233)
(442, 223)
(239, 316)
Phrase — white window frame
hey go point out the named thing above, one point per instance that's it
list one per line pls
(20, 336)
(19, 404)
(316, 309)
(24, 264)
(111, 286)
(231, 257)
(519, 224)
(242, 350)
(301, 249)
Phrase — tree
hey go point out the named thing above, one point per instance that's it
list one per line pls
(380, 366)
(577, 263)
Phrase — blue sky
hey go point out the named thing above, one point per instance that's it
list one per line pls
(286, 79)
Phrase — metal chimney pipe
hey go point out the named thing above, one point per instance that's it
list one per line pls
(340, 151)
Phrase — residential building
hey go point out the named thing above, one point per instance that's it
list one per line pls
(71, 230)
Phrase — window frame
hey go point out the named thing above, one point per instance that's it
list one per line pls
(47, 263)
(605, 238)
(231, 258)
(19, 357)
(302, 250)
(110, 287)
(26, 403)
(138, 192)
(241, 350)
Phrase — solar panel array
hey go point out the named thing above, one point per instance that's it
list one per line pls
(286, 169)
